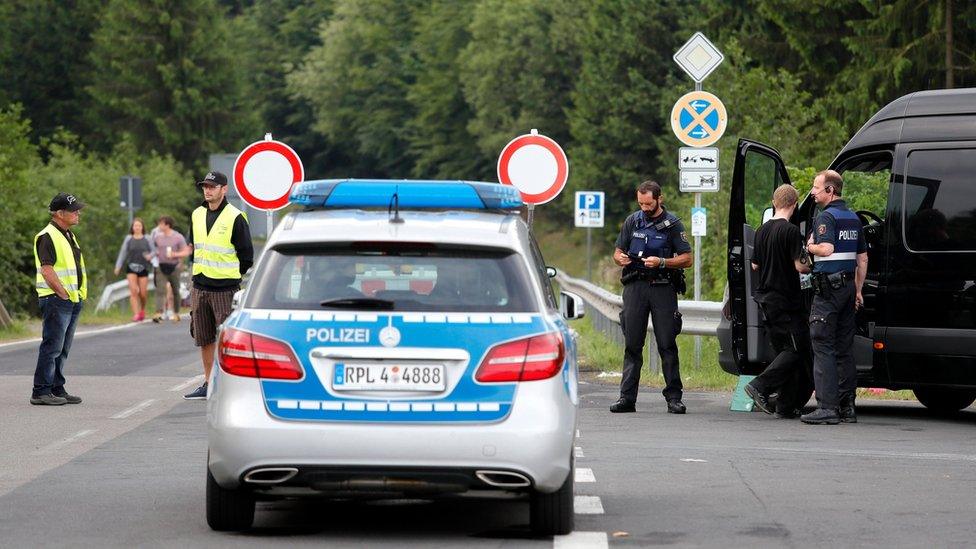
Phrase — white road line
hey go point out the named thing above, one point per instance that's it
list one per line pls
(578, 434)
(588, 505)
(137, 408)
(188, 383)
(78, 335)
(578, 451)
(64, 442)
(584, 474)
(693, 460)
(581, 540)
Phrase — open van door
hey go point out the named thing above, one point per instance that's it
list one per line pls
(758, 171)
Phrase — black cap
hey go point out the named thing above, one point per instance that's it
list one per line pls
(213, 178)
(65, 201)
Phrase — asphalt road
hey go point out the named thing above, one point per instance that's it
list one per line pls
(126, 468)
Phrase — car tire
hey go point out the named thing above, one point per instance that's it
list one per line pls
(553, 514)
(945, 400)
(228, 510)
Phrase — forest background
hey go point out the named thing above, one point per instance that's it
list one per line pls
(91, 90)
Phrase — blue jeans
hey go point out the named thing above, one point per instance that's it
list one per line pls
(59, 318)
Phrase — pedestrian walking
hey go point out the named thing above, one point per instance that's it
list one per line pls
(652, 248)
(840, 264)
(62, 287)
(778, 258)
(167, 242)
(221, 250)
(135, 255)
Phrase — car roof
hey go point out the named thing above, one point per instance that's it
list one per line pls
(462, 228)
(924, 116)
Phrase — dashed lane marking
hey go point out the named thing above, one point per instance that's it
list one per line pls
(588, 505)
(188, 383)
(578, 451)
(135, 409)
(581, 540)
(64, 442)
(584, 474)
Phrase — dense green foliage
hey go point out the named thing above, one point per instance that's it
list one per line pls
(92, 89)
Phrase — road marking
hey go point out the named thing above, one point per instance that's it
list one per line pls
(577, 433)
(578, 451)
(78, 335)
(188, 383)
(64, 442)
(588, 505)
(693, 460)
(137, 408)
(584, 474)
(581, 540)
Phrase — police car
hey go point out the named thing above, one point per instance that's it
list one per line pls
(398, 339)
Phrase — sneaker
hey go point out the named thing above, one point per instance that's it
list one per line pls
(140, 317)
(821, 416)
(157, 318)
(623, 406)
(47, 400)
(676, 407)
(199, 394)
(787, 414)
(847, 414)
(758, 398)
(176, 318)
(70, 399)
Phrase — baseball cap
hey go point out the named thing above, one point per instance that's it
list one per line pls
(65, 201)
(213, 178)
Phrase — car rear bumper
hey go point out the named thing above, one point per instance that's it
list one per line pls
(535, 440)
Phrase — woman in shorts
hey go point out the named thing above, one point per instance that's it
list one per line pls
(135, 257)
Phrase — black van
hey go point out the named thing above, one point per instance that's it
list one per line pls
(910, 173)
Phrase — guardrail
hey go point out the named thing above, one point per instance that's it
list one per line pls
(117, 291)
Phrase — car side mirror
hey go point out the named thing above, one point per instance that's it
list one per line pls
(238, 297)
(551, 271)
(571, 306)
(767, 215)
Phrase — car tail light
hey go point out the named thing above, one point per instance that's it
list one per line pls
(250, 355)
(532, 358)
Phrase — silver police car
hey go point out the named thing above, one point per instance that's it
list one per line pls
(398, 339)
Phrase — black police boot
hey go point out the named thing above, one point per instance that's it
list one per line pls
(758, 398)
(821, 416)
(847, 412)
(623, 406)
(676, 407)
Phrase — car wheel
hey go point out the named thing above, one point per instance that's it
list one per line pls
(945, 400)
(553, 514)
(228, 510)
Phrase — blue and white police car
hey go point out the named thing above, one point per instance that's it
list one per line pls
(398, 339)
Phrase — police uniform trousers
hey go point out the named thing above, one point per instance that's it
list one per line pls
(789, 373)
(660, 302)
(832, 335)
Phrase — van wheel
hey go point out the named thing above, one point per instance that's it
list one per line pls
(553, 514)
(945, 400)
(228, 510)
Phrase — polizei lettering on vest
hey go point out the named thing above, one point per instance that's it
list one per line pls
(338, 335)
(847, 235)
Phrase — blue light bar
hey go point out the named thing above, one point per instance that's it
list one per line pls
(411, 194)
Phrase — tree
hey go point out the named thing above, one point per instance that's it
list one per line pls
(167, 77)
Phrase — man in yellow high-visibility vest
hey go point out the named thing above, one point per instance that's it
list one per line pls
(220, 245)
(62, 286)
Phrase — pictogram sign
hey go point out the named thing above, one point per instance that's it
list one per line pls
(535, 165)
(265, 172)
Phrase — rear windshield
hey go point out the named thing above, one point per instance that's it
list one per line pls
(400, 279)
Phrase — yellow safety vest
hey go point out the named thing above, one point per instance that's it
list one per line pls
(213, 253)
(64, 267)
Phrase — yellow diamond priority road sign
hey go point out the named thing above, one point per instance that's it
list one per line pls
(698, 119)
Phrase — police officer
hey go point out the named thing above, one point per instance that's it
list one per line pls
(840, 263)
(221, 248)
(62, 287)
(652, 248)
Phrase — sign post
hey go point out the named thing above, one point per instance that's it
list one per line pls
(130, 192)
(264, 174)
(589, 213)
(536, 166)
(698, 119)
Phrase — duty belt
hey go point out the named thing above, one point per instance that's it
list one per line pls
(823, 282)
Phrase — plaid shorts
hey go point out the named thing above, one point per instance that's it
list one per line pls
(209, 310)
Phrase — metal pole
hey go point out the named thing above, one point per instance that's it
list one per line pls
(698, 269)
(270, 226)
(589, 255)
(128, 186)
(531, 215)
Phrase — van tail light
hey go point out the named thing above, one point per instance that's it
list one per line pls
(250, 355)
(532, 358)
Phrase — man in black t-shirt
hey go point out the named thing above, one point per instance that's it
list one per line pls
(778, 258)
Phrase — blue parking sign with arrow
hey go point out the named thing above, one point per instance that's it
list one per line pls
(589, 209)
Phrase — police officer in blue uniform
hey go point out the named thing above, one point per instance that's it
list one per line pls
(840, 263)
(652, 249)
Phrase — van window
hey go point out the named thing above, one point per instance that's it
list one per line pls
(939, 201)
(761, 179)
(866, 180)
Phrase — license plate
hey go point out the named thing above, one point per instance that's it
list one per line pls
(388, 377)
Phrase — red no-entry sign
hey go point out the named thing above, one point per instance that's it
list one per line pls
(535, 165)
(265, 172)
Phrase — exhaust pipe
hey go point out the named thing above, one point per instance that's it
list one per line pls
(503, 479)
(270, 475)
